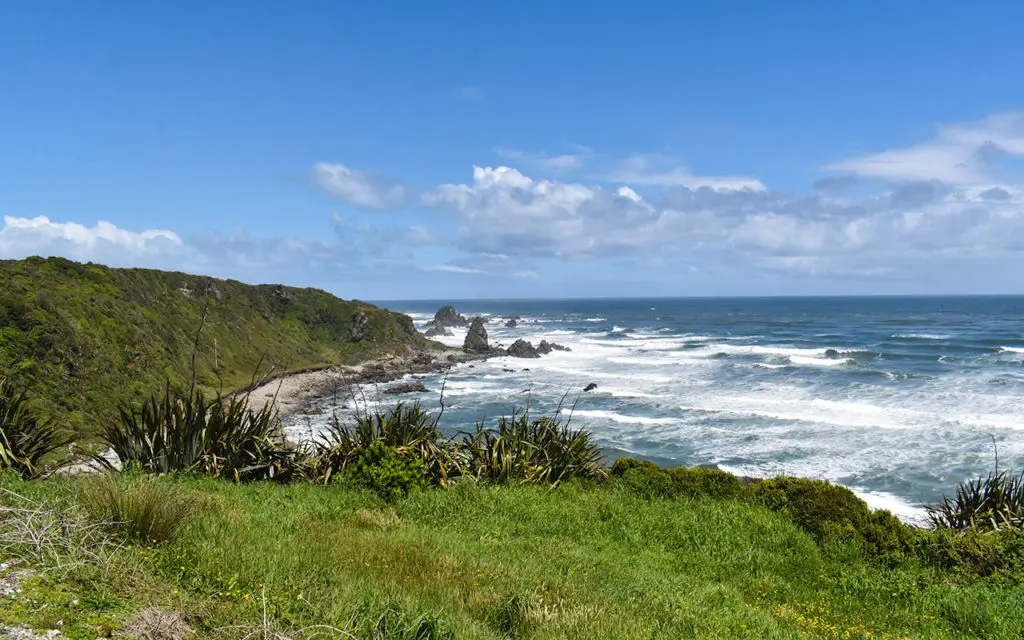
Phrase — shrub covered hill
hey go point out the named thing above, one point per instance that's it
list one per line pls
(85, 337)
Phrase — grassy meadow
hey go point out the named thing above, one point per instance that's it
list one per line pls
(485, 561)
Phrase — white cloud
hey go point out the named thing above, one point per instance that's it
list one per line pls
(360, 189)
(504, 211)
(648, 169)
(21, 237)
(452, 268)
(961, 154)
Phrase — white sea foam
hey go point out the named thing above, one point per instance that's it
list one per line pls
(1012, 349)
(820, 362)
(899, 507)
(620, 418)
(921, 336)
(617, 329)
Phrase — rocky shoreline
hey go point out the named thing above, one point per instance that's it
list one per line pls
(292, 393)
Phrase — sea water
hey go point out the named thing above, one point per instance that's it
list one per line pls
(898, 399)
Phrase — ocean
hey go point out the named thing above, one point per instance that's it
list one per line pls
(898, 399)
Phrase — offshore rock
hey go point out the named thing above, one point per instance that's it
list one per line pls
(590, 387)
(476, 338)
(522, 349)
(447, 317)
(512, 323)
(413, 386)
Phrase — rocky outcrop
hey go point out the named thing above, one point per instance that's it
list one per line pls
(546, 347)
(413, 386)
(448, 317)
(476, 338)
(512, 323)
(434, 331)
(444, 319)
(590, 387)
(522, 349)
(359, 330)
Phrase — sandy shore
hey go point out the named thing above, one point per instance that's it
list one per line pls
(293, 392)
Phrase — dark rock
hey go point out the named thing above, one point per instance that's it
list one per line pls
(511, 324)
(447, 317)
(590, 387)
(476, 339)
(512, 317)
(508, 370)
(433, 331)
(359, 330)
(525, 369)
(546, 347)
(522, 349)
(414, 386)
(451, 357)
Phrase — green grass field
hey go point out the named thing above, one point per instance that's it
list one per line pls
(490, 561)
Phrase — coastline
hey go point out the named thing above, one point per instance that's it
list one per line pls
(291, 392)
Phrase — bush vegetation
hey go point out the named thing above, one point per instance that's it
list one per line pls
(87, 338)
(183, 431)
(26, 440)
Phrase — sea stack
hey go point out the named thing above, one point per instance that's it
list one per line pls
(476, 339)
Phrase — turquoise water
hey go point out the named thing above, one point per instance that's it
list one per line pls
(897, 398)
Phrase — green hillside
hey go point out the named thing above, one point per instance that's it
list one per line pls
(85, 337)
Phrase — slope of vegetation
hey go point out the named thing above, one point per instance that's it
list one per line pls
(86, 338)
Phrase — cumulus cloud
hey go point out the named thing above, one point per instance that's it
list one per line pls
(504, 211)
(961, 154)
(21, 237)
(360, 189)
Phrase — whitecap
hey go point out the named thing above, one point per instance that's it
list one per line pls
(597, 414)
(1012, 350)
(921, 336)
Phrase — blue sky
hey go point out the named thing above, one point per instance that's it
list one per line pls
(457, 150)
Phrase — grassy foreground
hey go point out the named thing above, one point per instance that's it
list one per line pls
(483, 561)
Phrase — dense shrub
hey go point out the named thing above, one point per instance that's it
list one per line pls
(389, 472)
(25, 439)
(992, 502)
(184, 431)
(646, 480)
(816, 506)
(409, 428)
(649, 480)
(622, 465)
(975, 552)
(699, 481)
(826, 511)
(144, 509)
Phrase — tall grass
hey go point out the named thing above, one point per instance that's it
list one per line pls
(142, 509)
(184, 431)
(546, 450)
(26, 440)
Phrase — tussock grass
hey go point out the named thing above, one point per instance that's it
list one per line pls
(148, 510)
